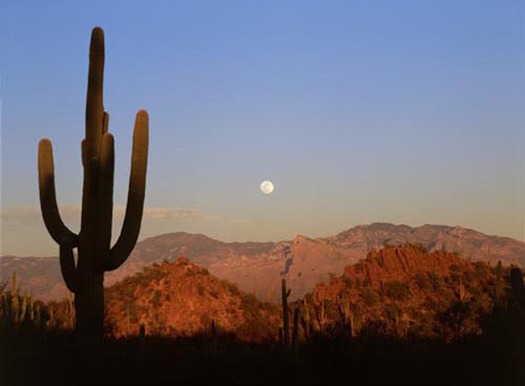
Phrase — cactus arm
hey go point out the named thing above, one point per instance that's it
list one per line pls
(67, 266)
(48, 203)
(85, 152)
(107, 172)
(105, 123)
(136, 193)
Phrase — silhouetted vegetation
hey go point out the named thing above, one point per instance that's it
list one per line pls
(487, 348)
(397, 290)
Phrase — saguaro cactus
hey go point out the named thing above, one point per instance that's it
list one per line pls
(285, 294)
(95, 254)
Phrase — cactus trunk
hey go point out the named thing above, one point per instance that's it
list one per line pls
(85, 277)
(89, 305)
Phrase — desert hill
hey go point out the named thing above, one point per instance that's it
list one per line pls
(182, 299)
(406, 290)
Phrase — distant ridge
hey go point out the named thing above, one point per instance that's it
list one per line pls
(257, 267)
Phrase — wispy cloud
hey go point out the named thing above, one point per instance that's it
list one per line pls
(239, 220)
(31, 215)
(171, 213)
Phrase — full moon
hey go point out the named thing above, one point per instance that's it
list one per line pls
(266, 187)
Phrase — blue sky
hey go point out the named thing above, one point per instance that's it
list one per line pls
(399, 111)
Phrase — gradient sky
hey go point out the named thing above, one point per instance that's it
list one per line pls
(359, 111)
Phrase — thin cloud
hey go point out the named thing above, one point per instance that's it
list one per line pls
(171, 213)
(239, 220)
(31, 215)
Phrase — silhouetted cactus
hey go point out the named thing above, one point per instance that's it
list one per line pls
(295, 330)
(70, 312)
(306, 320)
(51, 322)
(31, 307)
(142, 331)
(38, 315)
(213, 332)
(15, 300)
(499, 288)
(461, 289)
(4, 302)
(352, 325)
(517, 286)
(95, 254)
(322, 318)
(286, 324)
(23, 308)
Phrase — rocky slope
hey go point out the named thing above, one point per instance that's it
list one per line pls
(407, 290)
(182, 299)
(258, 267)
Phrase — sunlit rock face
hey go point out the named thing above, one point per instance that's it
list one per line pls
(182, 299)
(406, 290)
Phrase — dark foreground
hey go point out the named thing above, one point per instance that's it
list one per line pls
(53, 359)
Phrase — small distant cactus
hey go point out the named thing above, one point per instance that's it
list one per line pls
(31, 307)
(286, 324)
(295, 330)
(15, 300)
(461, 289)
(142, 331)
(95, 254)
(306, 320)
(23, 308)
(322, 318)
(70, 312)
(213, 333)
(517, 285)
(4, 302)
(51, 322)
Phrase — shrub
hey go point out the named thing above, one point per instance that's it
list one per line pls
(370, 296)
(423, 281)
(435, 280)
(156, 298)
(347, 282)
(397, 290)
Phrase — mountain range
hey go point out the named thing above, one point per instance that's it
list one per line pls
(258, 267)
(395, 291)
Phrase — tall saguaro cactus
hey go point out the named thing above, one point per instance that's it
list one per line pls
(85, 277)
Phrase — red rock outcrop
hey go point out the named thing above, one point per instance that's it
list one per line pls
(181, 298)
